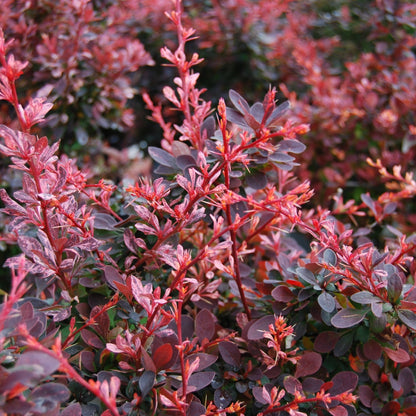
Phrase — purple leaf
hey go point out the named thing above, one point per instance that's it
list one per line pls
(104, 221)
(330, 257)
(326, 302)
(366, 395)
(407, 380)
(235, 117)
(196, 409)
(292, 146)
(198, 381)
(162, 157)
(346, 318)
(394, 288)
(364, 297)
(55, 391)
(205, 325)
(72, 410)
(306, 275)
(310, 362)
(230, 353)
(256, 180)
(112, 275)
(222, 398)
(277, 113)
(281, 157)
(47, 362)
(239, 102)
(259, 327)
(146, 382)
(257, 111)
(205, 360)
(408, 318)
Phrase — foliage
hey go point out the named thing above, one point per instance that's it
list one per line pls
(218, 286)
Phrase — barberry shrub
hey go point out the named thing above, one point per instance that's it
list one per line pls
(211, 288)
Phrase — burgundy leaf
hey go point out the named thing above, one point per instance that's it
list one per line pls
(230, 353)
(366, 395)
(343, 381)
(196, 409)
(372, 350)
(312, 384)
(292, 385)
(205, 325)
(112, 275)
(309, 363)
(87, 360)
(282, 294)
(325, 341)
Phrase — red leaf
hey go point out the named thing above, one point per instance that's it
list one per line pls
(391, 408)
(162, 356)
(309, 363)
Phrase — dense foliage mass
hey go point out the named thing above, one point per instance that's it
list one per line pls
(267, 263)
